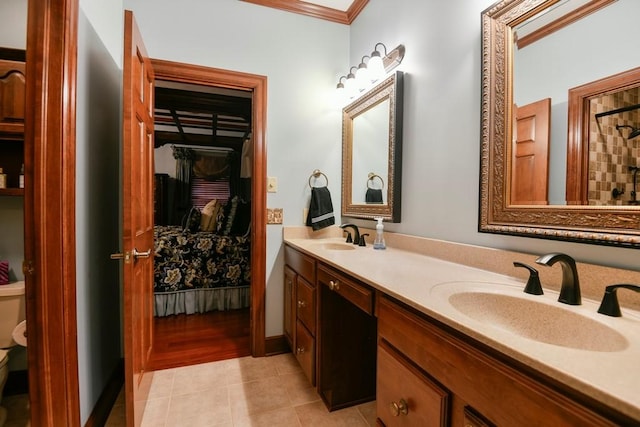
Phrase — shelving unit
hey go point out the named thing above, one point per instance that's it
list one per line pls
(12, 110)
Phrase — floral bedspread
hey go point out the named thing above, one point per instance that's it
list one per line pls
(194, 260)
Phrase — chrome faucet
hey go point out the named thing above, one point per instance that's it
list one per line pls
(570, 290)
(356, 232)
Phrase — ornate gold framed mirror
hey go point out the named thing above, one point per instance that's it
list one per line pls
(514, 33)
(372, 152)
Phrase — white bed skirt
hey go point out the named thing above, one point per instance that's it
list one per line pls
(201, 300)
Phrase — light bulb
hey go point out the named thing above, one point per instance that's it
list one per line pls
(350, 85)
(375, 67)
(362, 76)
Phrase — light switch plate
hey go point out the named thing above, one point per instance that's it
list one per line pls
(272, 184)
(274, 215)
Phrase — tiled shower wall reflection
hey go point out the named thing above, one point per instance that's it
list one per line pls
(610, 152)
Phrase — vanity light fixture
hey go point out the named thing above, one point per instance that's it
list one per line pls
(350, 85)
(363, 78)
(367, 73)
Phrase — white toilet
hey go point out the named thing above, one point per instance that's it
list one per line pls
(12, 312)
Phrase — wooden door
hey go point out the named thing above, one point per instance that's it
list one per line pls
(137, 222)
(530, 154)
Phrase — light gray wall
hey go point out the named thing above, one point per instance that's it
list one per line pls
(98, 127)
(442, 123)
(13, 24)
(302, 58)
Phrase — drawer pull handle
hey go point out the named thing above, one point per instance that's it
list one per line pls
(301, 304)
(300, 350)
(334, 285)
(398, 408)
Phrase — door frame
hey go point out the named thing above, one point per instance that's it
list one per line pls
(200, 75)
(50, 236)
(49, 212)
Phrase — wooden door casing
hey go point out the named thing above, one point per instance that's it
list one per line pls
(49, 204)
(208, 76)
(137, 223)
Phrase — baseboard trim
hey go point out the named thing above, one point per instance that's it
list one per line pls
(276, 345)
(103, 407)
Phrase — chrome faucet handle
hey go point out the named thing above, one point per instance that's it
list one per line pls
(533, 285)
(609, 305)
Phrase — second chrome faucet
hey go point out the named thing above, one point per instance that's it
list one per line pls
(570, 289)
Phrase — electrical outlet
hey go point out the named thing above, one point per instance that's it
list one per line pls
(274, 215)
(272, 184)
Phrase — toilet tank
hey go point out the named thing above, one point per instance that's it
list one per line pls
(12, 311)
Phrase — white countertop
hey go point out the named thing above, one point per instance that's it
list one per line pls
(612, 377)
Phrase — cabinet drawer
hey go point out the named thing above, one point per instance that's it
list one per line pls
(359, 295)
(305, 352)
(494, 387)
(405, 396)
(304, 265)
(306, 304)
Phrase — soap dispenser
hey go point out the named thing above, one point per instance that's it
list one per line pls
(378, 243)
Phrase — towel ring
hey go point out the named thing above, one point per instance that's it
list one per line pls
(316, 174)
(372, 176)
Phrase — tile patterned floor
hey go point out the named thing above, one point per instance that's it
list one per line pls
(267, 391)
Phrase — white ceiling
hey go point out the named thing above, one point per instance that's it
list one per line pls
(342, 5)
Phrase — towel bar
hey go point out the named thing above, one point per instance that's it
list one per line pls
(372, 176)
(316, 174)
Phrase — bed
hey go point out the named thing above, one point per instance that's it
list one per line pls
(200, 271)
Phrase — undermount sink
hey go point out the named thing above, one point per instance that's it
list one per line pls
(505, 308)
(335, 246)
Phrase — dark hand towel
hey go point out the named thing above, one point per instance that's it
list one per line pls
(373, 195)
(320, 209)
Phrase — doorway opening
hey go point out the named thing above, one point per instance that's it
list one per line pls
(202, 239)
(216, 116)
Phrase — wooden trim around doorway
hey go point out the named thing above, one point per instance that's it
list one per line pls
(49, 205)
(195, 74)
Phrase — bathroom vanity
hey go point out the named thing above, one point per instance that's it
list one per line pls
(331, 328)
(354, 315)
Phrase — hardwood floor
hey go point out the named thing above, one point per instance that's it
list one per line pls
(199, 338)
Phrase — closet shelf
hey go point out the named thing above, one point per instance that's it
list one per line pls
(11, 191)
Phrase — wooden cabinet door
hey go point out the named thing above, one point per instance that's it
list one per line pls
(407, 397)
(306, 352)
(289, 306)
(12, 97)
(306, 304)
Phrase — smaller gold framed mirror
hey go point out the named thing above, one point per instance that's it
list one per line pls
(372, 152)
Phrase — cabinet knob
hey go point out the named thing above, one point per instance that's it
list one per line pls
(334, 285)
(301, 304)
(398, 408)
(300, 350)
